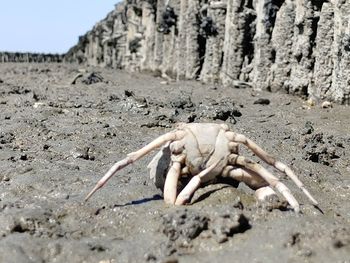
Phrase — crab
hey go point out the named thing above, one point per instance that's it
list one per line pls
(203, 152)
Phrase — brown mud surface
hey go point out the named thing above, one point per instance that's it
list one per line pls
(57, 139)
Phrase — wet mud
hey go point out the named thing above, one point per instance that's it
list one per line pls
(62, 127)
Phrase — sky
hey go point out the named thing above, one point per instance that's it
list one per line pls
(48, 26)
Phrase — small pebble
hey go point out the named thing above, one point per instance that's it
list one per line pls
(326, 105)
(262, 101)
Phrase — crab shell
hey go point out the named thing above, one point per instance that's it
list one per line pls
(200, 150)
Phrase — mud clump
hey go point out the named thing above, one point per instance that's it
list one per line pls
(308, 128)
(92, 78)
(183, 102)
(184, 225)
(85, 153)
(183, 109)
(227, 225)
(35, 222)
(131, 103)
(322, 149)
(225, 110)
(274, 203)
(136, 101)
(88, 79)
(181, 228)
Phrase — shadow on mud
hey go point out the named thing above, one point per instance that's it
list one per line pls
(142, 201)
(207, 194)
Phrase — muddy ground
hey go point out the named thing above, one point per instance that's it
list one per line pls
(57, 139)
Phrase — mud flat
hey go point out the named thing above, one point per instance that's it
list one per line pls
(57, 139)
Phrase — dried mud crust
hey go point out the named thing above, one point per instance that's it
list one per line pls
(58, 138)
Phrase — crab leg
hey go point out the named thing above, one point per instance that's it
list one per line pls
(264, 192)
(193, 185)
(267, 176)
(172, 177)
(170, 185)
(134, 156)
(252, 179)
(235, 137)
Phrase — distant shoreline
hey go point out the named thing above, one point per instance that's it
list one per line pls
(21, 57)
